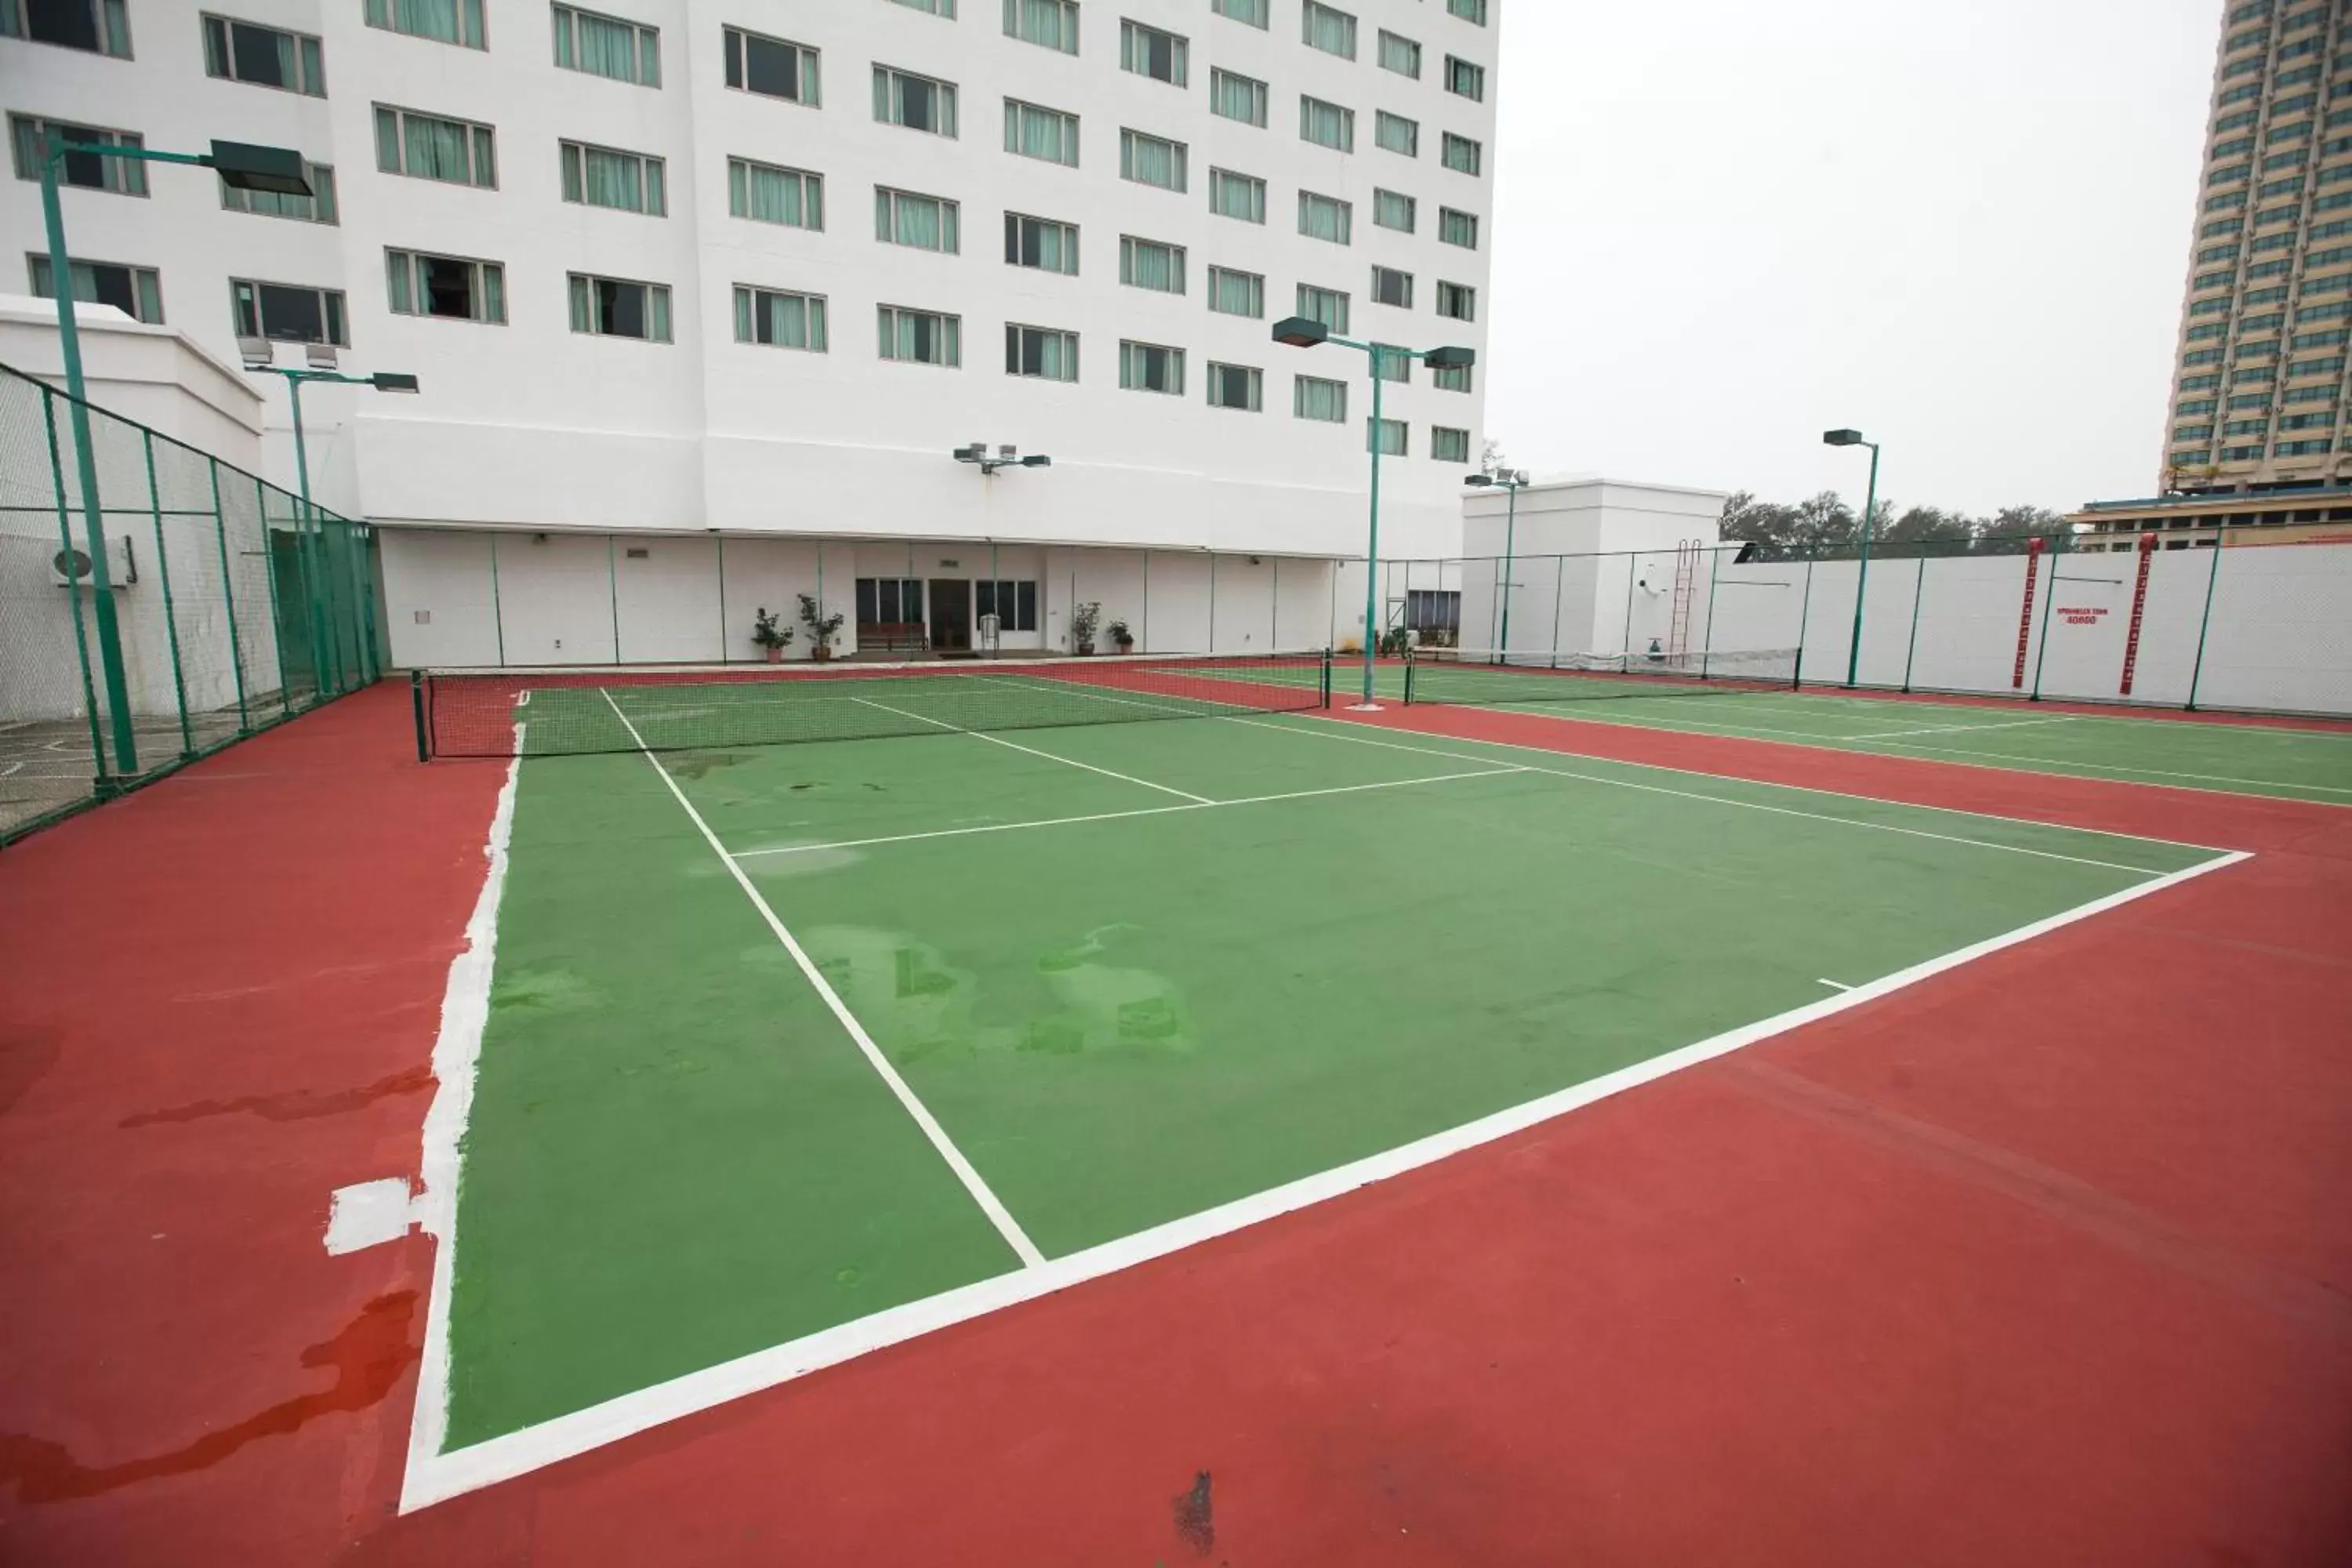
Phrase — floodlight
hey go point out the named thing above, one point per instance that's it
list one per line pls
(392, 381)
(1008, 453)
(1842, 438)
(1300, 331)
(1452, 358)
(1036, 460)
(249, 168)
(258, 354)
(321, 356)
(1481, 480)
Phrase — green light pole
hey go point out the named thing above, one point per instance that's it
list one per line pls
(238, 164)
(1869, 518)
(1303, 332)
(1514, 482)
(260, 357)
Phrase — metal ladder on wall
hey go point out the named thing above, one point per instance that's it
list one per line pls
(1686, 589)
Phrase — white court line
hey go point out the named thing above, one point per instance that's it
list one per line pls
(1000, 741)
(1121, 815)
(1758, 805)
(435, 1477)
(1835, 984)
(1955, 729)
(999, 1216)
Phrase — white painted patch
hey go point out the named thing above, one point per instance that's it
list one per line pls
(434, 1477)
(367, 1214)
(465, 1011)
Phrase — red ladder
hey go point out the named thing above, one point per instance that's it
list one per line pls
(1685, 587)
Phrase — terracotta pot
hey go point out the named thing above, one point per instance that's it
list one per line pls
(822, 652)
(1126, 645)
(775, 654)
(1085, 649)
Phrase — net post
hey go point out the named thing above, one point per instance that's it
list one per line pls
(1411, 664)
(1327, 677)
(171, 614)
(416, 707)
(228, 599)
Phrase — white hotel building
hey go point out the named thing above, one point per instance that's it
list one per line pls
(702, 294)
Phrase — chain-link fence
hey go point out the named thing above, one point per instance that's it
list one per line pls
(223, 610)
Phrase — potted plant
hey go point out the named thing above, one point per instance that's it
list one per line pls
(769, 634)
(1084, 619)
(1121, 636)
(822, 629)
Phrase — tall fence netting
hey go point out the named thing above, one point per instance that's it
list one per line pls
(229, 608)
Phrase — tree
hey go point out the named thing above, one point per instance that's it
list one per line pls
(1491, 458)
(1932, 526)
(2028, 522)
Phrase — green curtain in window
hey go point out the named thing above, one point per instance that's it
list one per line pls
(1150, 265)
(584, 304)
(612, 180)
(1038, 133)
(1235, 98)
(1330, 30)
(657, 316)
(436, 149)
(1320, 217)
(1317, 399)
(1390, 210)
(1151, 160)
(494, 291)
(770, 196)
(1057, 247)
(387, 141)
(1047, 22)
(608, 49)
(432, 19)
(396, 278)
(1236, 294)
(1058, 357)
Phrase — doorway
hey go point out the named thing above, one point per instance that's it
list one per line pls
(951, 615)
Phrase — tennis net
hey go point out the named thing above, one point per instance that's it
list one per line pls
(563, 712)
(1482, 676)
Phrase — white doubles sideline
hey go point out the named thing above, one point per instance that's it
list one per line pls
(433, 1475)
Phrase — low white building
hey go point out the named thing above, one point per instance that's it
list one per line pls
(687, 281)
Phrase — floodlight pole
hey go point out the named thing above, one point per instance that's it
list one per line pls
(1869, 518)
(55, 149)
(1514, 482)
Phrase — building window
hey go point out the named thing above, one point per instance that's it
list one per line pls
(1313, 398)
(453, 288)
(1462, 154)
(765, 193)
(1458, 302)
(1236, 195)
(1402, 56)
(1151, 367)
(1147, 51)
(2240, 454)
(933, 7)
(619, 308)
(776, 318)
(891, 601)
(1395, 133)
(1149, 161)
(1048, 24)
(2209, 332)
(773, 68)
(1449, 445)
(1040, 353)
(1450, 377)
(2199, 383)
(1391, 210)
(607, 177)
(2247, 427)
(1391, 363)
(1014, 605)
(1236, 386)
(426, 147)
(1241, 97)
(1233, 293)
(1330, 30)
(1468, 10)
(1465, 80)
(1433, 609)
(318, 206)
(1327, 306)
(89, 171)
(607, 47)
(101, 26)
(266, 56)
(1253, 12)
(1327, 125)
(2301, 448)
(1388, 437)
(1390, 287)
(2306, 421)
(917, 102)
(921, 222)
(1046, 134)
(443, 21)
(2232, 202)
(1148, 264)
(1041, 243)
(1326, 217)
(2202, 356)
(921, 337)
(1458, 228)
(289, 312)
(136, 291)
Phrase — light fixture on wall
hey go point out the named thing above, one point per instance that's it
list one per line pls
(1006, 458)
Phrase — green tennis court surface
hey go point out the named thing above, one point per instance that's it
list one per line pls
(2313, 764)
(1133, 971)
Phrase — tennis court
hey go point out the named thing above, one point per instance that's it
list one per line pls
(793, 1050)
(1754, 696)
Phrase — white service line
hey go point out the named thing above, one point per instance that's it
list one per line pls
(434, 1477)
(990, 1204)
(1121, 815)
(1748, 804)
(1000, 741)
(1835, 984)
(1957, 729)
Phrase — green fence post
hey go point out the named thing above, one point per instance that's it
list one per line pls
(1714, 571)
(497, 610)
(73, 596)
(1559, 601)
(2205, 622)
(277, 609)
(720, 541)
(229, 598)
(612, 581)
(171, 614)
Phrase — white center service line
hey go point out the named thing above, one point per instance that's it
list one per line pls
(990, 1204)
(1122, 816)
(1065, 761)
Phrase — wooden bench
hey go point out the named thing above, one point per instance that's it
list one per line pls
(893, 636)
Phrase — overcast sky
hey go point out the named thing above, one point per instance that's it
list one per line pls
(1726, 225)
